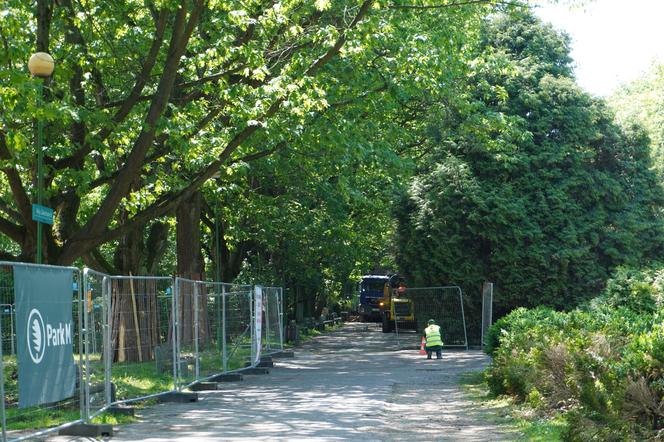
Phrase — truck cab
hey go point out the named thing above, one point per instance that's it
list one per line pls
(371, 291)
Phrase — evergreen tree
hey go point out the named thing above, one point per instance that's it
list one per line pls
(531, 185)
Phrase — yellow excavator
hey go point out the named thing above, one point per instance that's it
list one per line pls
(395, 306)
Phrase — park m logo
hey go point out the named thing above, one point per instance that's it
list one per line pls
(36, 336)
(41, 337)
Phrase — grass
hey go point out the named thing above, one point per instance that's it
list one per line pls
(113, 419)
(210, 362)
(530, 425)
(133, 380)
(33, 417)
(30, 419)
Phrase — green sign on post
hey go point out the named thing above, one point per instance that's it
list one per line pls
(42, 214)
(44, 334)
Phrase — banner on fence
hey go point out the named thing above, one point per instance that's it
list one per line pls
(258, 308)
(45, 334)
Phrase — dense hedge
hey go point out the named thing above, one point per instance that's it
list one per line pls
(602, 364)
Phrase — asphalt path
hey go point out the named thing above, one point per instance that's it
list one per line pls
(350, 384)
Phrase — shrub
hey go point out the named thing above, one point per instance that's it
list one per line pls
(640, 290)
(520, 321)
(601, 364)
(556, 364)
(514, 377)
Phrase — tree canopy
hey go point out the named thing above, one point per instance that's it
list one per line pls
(640, 103)
(151, 100)
(283, 131)
(531, 184)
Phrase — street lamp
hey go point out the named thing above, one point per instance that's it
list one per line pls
(41, 65)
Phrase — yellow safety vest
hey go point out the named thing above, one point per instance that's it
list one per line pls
(432, 333)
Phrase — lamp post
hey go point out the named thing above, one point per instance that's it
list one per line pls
(220, 293)
(41, 65)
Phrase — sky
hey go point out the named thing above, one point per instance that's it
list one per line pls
(613, 41)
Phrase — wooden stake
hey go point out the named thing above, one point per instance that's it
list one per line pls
(133, 304)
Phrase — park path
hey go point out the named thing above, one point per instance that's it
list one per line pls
(350, 384)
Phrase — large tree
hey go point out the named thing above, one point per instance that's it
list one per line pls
(640, 103)
(531, 184)
(151, 99)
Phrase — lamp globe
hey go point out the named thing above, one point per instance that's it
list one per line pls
(41, 64)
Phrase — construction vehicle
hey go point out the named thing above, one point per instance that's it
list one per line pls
(396, 308)
(371, 290)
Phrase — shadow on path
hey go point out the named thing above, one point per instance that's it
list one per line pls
(346, 385)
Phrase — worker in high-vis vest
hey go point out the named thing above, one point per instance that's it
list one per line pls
(433, 340)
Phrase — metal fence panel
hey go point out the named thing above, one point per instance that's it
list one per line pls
(273, 329)
(187, 300)
(214, 333)
(443, 304)
(210, 330)
(238, 327)
(8, 334)
(213, 348)
(487, 309)
(21, 423)
(141, 336)
(96, 341)
(137, 337)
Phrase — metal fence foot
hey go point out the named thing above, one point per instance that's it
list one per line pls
(204, 386)
(178, 397)
(87, 430)
(256, 370)
(262, 364)
(229, 377)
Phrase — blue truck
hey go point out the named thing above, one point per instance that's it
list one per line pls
(371, 291)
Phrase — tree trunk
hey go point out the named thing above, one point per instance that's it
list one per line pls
(134, 308)
(190, 266)
(129, 253)
(135, 320)
(44, 17)
(156, 246)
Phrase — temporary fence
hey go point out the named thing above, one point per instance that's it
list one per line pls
(41, 326)
(97, 342)
(140, 341)
(273, 330)
(417, 305)
(240, 328)
(215, 329)
(228, 313)
(7, 325)
(487, 310)
(97, 336)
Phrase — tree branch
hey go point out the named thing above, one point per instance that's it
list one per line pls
(182, 29)
(167, 203)
(456, 4)
(95, 260)
(20, 195)
(128, 103)
(11, 230)
(258, 155)
(44, 17)
(11, 212)
(95, 232)
(334, 50)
